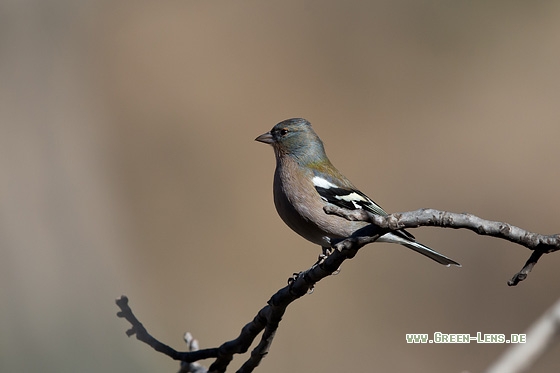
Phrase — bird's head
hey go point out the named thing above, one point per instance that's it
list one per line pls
(294, 137)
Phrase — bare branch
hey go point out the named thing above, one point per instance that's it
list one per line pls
(268, 318)
(192, 345)
(540, 338)
(143, 335)
(540, 244)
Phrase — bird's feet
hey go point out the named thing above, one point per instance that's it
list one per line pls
(324, 255)
(294, 277)
(326, 251)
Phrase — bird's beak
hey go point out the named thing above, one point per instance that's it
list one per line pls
(266, 138)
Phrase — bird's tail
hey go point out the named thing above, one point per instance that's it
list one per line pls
(418, 247)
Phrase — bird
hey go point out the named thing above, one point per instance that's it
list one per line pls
(305, 181)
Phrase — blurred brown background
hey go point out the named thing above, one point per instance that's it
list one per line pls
(128, 166)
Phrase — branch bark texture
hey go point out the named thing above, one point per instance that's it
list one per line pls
(539, 243)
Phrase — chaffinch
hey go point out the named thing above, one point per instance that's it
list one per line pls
(305, 181)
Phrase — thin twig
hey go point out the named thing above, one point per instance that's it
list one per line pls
(192, 345)
(143, 335)
(539, 338)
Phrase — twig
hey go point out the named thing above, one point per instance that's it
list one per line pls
(143, 335)
(192, 345)
(540, 244)
(540, 337)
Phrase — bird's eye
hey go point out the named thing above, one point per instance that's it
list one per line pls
(283, 132)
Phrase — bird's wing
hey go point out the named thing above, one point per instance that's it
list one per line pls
(347, 198)
(351, 199)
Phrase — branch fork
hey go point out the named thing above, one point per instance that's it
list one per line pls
(269, 317)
